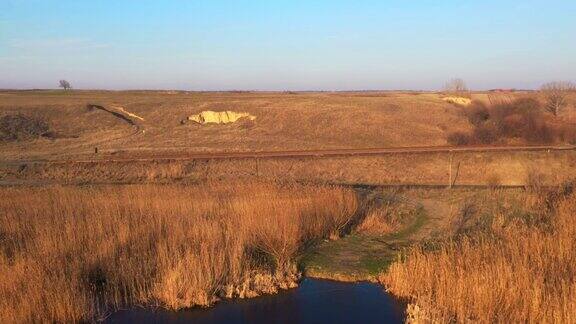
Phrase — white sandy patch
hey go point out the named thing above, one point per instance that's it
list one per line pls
(219, 117)
(124, 111)
(458, 100)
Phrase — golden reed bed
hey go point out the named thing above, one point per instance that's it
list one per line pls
(78, 253)
(520, 269)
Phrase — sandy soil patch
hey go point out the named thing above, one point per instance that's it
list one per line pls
(458, 100)
(219, 117)
(124, 111)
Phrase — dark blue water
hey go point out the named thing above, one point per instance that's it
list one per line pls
(314, 301)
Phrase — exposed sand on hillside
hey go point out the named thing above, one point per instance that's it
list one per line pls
(458, 100)
(122, 110)
(219, 117)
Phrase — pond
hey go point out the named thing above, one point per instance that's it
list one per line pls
(314, 301)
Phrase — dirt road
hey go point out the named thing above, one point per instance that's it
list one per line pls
(152, 156)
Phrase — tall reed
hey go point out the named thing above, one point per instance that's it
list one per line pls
(519, 272)
(71, 253)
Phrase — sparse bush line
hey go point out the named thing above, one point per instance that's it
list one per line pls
(522, 119)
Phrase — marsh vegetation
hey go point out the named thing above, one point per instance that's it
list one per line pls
(78, 253)
(507, 262)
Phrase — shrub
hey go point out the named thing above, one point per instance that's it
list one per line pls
(538, 131)
(520, 106)
(521, 119)
(484, 135)
(477, 113)
(20, 127)
(567, 134)
(459, 139)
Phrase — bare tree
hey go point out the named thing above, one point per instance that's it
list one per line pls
(456, 86)
(556, 95)
(65, 85)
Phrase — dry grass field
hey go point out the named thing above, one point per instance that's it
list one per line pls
(469, 168)
(284, 121)
(76, 253)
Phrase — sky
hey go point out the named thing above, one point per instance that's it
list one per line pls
(285, 45)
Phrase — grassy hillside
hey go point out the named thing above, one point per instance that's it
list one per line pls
(285, 121)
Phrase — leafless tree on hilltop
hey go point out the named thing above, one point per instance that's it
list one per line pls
(64, 85)
(556, 95)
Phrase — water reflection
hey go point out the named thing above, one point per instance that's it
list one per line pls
(314, 301)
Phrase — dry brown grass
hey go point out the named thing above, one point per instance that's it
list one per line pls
(284, 121)
(387, 212)
(518, 270)
(472, 168)
(70, 253)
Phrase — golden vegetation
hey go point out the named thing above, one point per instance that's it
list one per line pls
(477, 168)
(513, 268)
(69, 253)
(284, 121)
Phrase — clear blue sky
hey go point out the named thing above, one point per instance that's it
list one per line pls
(281, 44)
